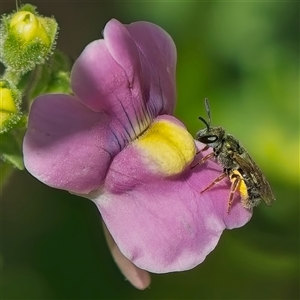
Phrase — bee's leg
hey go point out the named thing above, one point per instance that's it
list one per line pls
(235, 179)
(205, 158)
(203, 149)
(217, 180)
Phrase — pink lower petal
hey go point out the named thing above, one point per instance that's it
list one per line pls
(67, 146)
(166, 224)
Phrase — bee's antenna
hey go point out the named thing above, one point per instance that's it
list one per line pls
(204, 121)
(206, 102)
(207, 124)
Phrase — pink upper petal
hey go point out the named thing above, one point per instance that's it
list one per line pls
(67, 146)
(166, 224)
(129, 75)
(158, 57)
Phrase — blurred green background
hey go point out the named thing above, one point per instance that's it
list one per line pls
(243, 56)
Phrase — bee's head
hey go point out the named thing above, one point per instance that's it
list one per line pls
(211, 136)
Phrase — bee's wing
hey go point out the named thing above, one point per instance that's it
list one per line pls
(249, 166)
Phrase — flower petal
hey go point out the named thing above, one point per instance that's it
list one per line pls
(158, 57)
(119, 76)
(67, 146)
(166, 224)
(139, 278)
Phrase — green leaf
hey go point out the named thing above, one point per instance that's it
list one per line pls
(11, 150)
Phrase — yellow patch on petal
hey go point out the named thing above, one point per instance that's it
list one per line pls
(167, 148)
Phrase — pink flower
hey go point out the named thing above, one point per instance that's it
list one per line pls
(117, 143)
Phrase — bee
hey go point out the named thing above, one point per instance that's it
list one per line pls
(243, 173)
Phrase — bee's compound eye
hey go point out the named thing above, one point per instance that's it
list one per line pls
(209, 139)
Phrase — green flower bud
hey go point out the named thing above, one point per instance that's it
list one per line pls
(27, 27)
(27, 39)
(9, 106)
